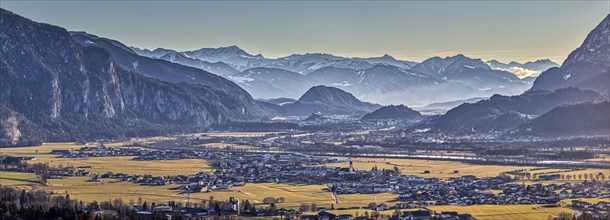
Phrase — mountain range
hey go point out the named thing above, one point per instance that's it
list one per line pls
(586, 67)
(567, 100)
(58, 86)
(64, 86)
(384, 79)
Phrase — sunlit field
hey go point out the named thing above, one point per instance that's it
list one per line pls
(295, 195)
(437, 168)
(504, 212)
(123, 164)
(8, 178)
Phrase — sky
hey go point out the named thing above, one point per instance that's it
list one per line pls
(409, 30)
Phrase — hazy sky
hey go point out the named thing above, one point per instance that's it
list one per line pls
(411, 30)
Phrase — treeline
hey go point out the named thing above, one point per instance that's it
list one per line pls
(39, 204)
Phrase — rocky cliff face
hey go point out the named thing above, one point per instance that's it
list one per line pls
(50, 83)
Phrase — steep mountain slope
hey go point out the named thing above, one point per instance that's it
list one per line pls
(586, 67)
(328, 101)
(587, 118)
(66, 91)
(156, 68)
(393, 112)
(501, 113)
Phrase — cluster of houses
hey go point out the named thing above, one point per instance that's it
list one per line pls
(600, 210)
(420, 214)
(233, 169)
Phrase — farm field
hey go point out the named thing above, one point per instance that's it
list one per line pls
(444, 169)
(589, 200)
(123, 164)
(295, 195)
(361, 212)
(437, 168)
(8, 178)
(127, 165)
(504, 212)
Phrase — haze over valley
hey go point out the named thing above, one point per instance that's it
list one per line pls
(93, 127)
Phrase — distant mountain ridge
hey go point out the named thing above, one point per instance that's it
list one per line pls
(299, 63)
(399, 112)
(328, 101)
(376, 79)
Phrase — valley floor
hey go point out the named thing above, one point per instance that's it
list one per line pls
(295, 195)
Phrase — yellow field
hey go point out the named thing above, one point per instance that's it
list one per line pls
(295, 195)
(127, 165)
(78, 188)
(17, 179)
(437, 168)
(360, 212)
(42, 149)
(501, 212)
(589, 200)
(110, 164)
